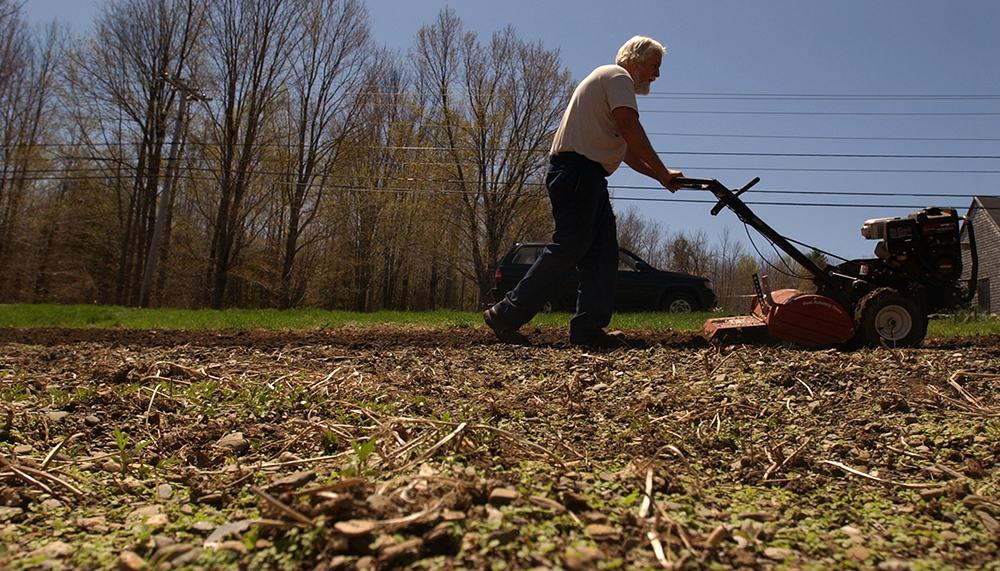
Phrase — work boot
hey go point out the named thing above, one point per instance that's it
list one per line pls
(505, 333)
(600, 340)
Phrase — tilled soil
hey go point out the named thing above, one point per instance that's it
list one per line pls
(378, 448)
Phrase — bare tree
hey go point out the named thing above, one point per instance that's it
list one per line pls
(27, 68)
(641, 236)
(329, 84)
(690, 253)
(123, 110)
(725, 271)
(493, 110)
(249, 46)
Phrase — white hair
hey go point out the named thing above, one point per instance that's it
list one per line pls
(638, 49)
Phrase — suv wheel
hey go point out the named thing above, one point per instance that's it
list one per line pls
(678, 302)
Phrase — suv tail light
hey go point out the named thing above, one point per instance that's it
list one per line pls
(496, 277)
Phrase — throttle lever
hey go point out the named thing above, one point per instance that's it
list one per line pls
(719, 205)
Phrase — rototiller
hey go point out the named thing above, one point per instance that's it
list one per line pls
(883, 300)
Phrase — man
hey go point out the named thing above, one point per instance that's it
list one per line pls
(599, 130)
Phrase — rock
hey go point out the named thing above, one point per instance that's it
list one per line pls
(355, 527)
(452, 515)
(575, 502)
(989, 521)
(143, 513)
(132, 485)
(97, 523)
(582, 558)
(601, 532)
(778, 553)
(292, 482)
(224, 531)
(594, 517)
(54, 550)
(110, 465)
(234, 442)
(895, 565)
(232, 545)
(157, 521)
(130, 561)
(336, 563)
(56, 415)
(503, 496)
(403, 553)
(547, 503)
(164, 491)
(50, 505)
(928, 495)
(186, 557)
(757, 516)
(22, 449)
(858, 553)
(178, 555)
(91, 420)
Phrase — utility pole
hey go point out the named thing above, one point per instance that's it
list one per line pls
(187, 93)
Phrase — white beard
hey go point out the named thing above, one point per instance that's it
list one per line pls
(642, 88)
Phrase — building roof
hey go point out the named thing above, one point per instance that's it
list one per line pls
(990, 205)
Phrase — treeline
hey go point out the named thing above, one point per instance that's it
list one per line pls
(269, 153)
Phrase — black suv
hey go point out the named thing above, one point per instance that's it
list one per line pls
(641, 287)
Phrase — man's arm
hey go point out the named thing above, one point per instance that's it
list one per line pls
(640, 155)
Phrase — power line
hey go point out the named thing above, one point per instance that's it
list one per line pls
(757, 190)
(829, 155)
(829, 138)
(835, 113)
(758, 203)
(890, 171)
(821, 97)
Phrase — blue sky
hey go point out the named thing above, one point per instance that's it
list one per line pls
(864, 107)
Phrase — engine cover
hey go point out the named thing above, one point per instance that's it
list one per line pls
(925, 245)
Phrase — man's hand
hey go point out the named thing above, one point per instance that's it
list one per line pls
(670, 180)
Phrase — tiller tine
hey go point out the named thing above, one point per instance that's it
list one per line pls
(807, 319)
(735, 330)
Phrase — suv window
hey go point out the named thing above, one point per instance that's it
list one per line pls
(527, 255)
(626, 263)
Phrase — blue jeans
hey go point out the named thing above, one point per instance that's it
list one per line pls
(585, 238)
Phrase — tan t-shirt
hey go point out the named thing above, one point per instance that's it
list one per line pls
(588, 126)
